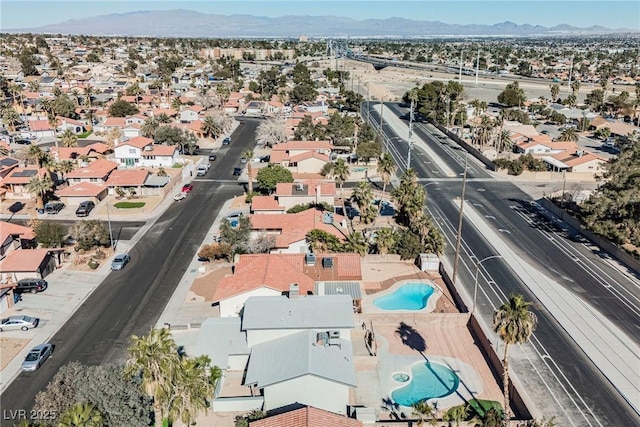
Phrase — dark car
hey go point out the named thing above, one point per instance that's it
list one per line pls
(265, 159)
(237, 171)
(226, 141)
(212, 157)
(85, 208)
(22, 141)
(32, 285)
(53, 207)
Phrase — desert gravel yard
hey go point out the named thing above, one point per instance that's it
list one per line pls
(9, 348)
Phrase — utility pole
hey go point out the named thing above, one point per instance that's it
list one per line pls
(410, 133)
(570, 73)
(477, 66)
(460, 72)
(113, 246)
(459, 236)
(381, 110)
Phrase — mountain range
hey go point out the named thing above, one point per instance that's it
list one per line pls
(186, 23)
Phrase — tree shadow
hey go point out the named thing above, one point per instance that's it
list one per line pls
(15, 208)
(411, 338)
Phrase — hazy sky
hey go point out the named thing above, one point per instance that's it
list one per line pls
(581, 13)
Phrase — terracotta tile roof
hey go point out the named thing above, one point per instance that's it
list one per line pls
(265, 203)
(309, 155)
(39, 125)
(161, 150)
(82, 189)
(8, 229)
(306, 417)
(327, 188)
(63, 120)
(168, 111)
(96, 169)
(114, 121)
(572, 159)
(138, 141)
(554, 145)
(23, 260)
(20, 176)
(275, 271)
(127, 177)
(278, 157)
(302, 145)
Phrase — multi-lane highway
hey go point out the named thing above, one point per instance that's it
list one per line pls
(130, 301)
(555, 372)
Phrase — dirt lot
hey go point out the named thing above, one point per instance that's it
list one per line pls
(9, 348)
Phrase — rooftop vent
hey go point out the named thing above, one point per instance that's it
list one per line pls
(299, 187)
(334, 338)
(148, 148)
(310, 259)
(294, 291)
(327, 218)
(322, 338)
(327, 263)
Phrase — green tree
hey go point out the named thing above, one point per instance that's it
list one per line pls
(306, 130)
(253, 415)
(386, 169)
(514, 324)
(569, 134)
(248, 154)
(39, 186)
(64, 107)
(149, 127)
(362, 195)
(49, 234)
(503, 141)
(456, 414)
(11, 118)
(90, 233)
(555, 91)
(238, 236)
(512, 96)
(271, 176)
(410, 197)
(384, 240)
(302, 92)
(171, 135)
(321, 241)
(575, 86)
(595, 99)
(355, 242)
(340, 172)
(121, 108)
(211, 128)
(82, 415)
(407, 244)
(423, 411)
(190, 390)
(28, 63)
(69, 139)
(602, 133)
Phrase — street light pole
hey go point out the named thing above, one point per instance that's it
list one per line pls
(459, 236)
(113, 246)
(475, 286)
(410, 134)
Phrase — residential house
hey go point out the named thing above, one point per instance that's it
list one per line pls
(302, 156)
(74, 126)
(540, 144)
(132, 130)
(83, 191)
(27, 263)
(130, 180)
(254, 108)
(306, 416)
(304, 192)
(266, 205)
(17, 180)
(15, 236)
(190, 114)
(276, 274)
(41, 128)
(141, 151)
(91, 152)
(7, 164)
(575, 161)
(619, 129)
(290, 230)
(96, 172)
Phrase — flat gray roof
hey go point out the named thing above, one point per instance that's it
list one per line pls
(221, 337)
(295, 355)
(314, 311)
(339, 288)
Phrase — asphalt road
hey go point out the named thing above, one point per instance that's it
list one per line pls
(130, 301)
(546, 245)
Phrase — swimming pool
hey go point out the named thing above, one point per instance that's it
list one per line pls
(410, 296)
(428, 381)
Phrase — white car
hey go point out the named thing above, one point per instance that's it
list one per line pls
(180, 196)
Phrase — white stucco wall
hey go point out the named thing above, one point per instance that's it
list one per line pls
(308, 390)
(257, 336)
(290, 201)
(166, 161)
(311, 165)
(230, 307)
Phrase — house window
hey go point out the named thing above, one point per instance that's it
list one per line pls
(93, 179)
(132, 151)
(137, 160)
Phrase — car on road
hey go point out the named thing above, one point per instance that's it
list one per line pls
(36, 357)
(13, 323)
(22, 142)
(187, 188)
(53, 207)
(212, 157)
(237, 171)
(120, 261)
(32, 284)
(202, 170)
(243, 160)
(85, 208)
(226, 141)
(180, 196)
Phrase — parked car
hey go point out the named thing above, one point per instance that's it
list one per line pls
(32, 285)
(22, 141)
(265, 159)
(237, 171)
(212, 157)
(37, 357)
(201, 171)
(53, 207)
(187, 188)
(13, 323)
(180, 196)
(85, 208)
(226, 141)
(120, 261)
(243, 160)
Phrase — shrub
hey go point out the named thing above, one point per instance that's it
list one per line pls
(502, 163)
(93, 264)
(516, 168)
(216, 251)
(129, 205)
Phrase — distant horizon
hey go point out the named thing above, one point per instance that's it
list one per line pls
(31, 14)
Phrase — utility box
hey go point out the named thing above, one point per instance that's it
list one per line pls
(428, 262)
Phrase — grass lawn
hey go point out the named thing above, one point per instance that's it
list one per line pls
(85, 134)
(129, 205)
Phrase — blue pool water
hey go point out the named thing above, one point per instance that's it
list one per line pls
(411, 296)
(428, 381)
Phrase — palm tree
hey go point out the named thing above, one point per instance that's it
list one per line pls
(76, 96)
(456, 414)
(82, 415)
(503, 140)
(210, 127)
(483, 131)
(39, 186)
(423, 411)
(385, 239)
(575, 86)
(421, 226)
(11, 118)
(69, 139)
(154, 358)
(363, 197)
(36, 154)
(569, 134)
(248, 154)
(16, 89)
(356, 243)
(340, 172)
(409, 197)
(88, 91)
(149, 127)
(190, 390)
(64, 167)
(34, 86)
(555, 91)
(386, 169)
(176, 104)
(163, 118)
(514, 324)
